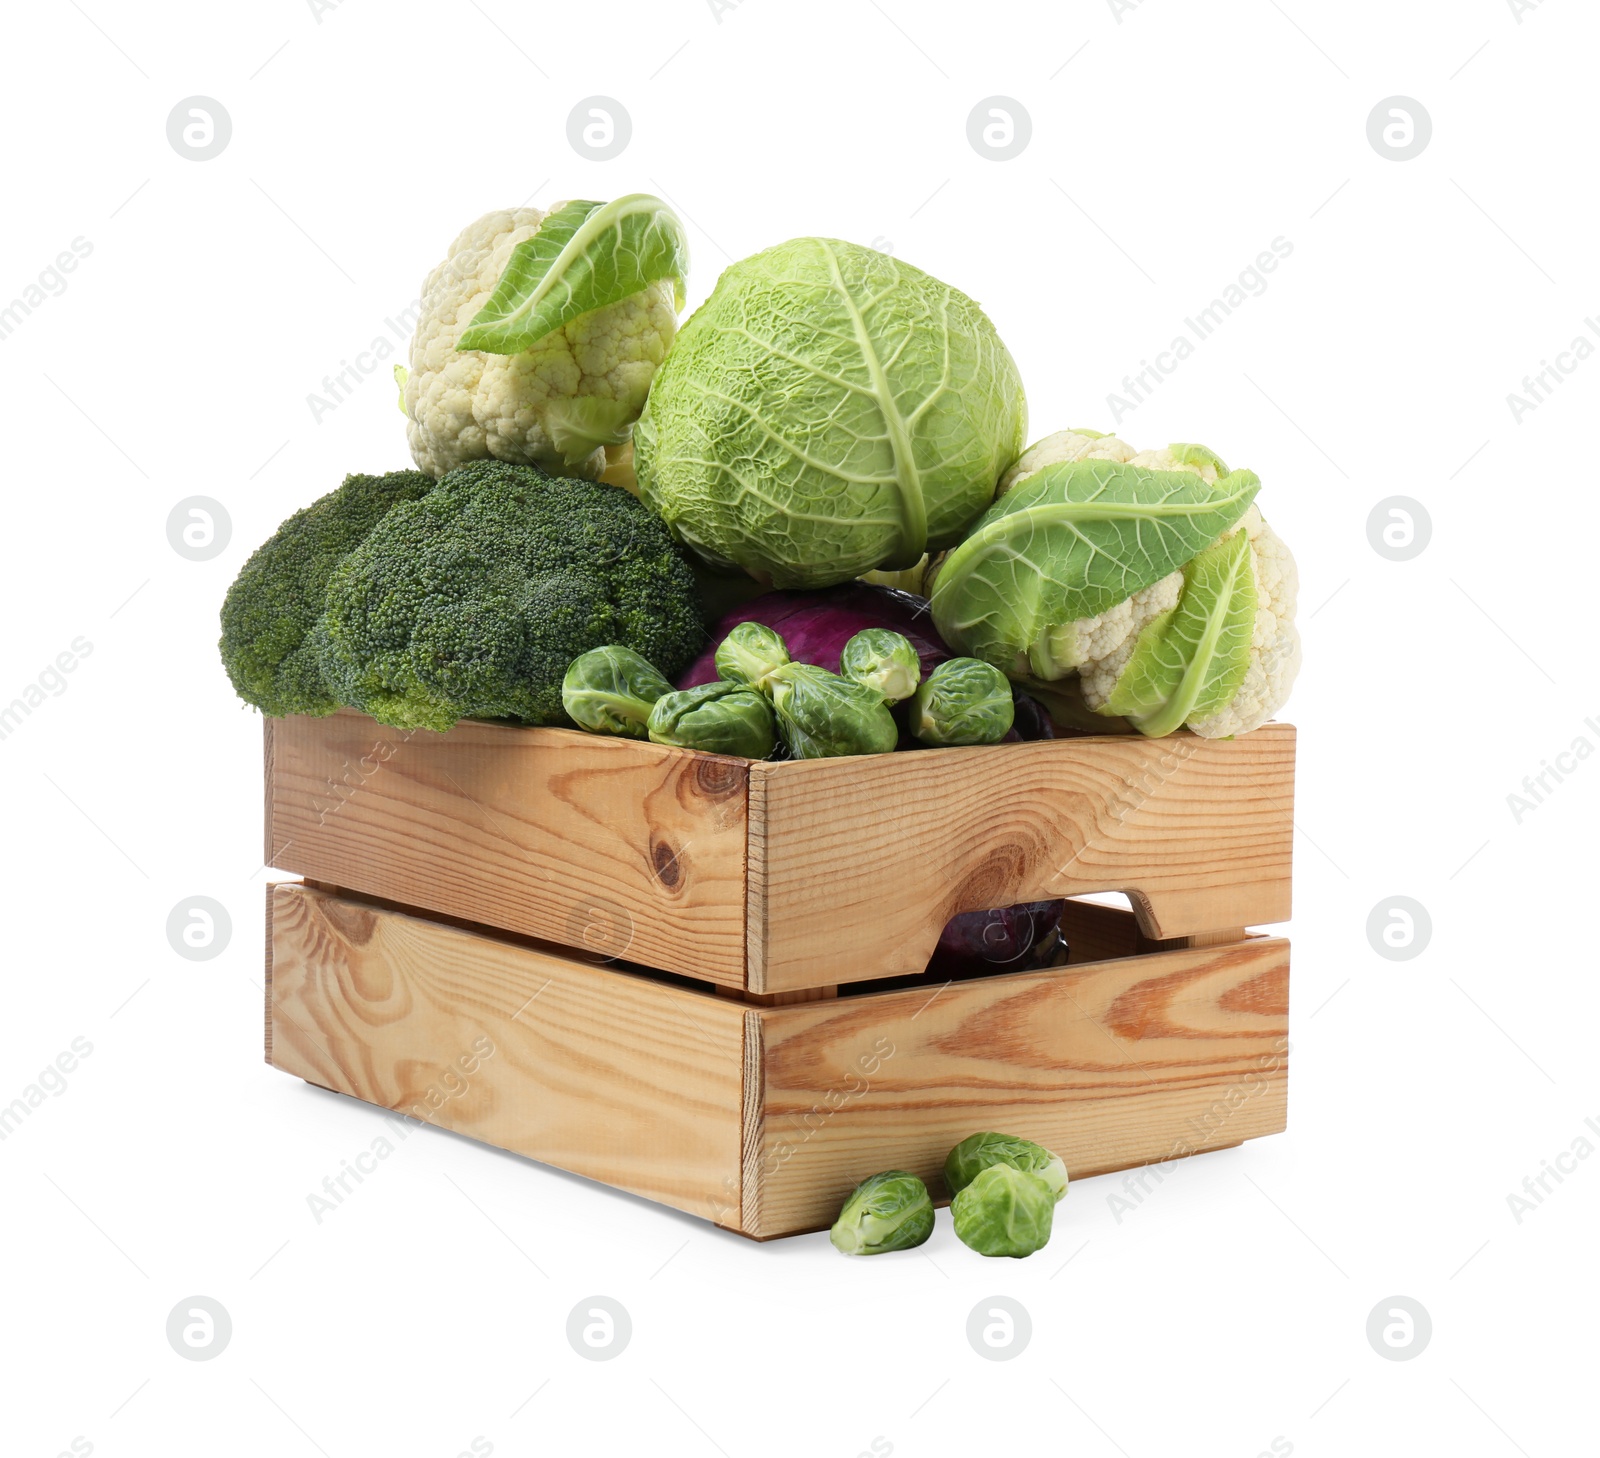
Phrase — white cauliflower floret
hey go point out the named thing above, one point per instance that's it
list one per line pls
(1106, 643)
(1101, 646)
(464, 405)
(1090, 445)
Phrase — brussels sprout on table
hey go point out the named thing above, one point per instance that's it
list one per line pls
(884, 661)
(889, 1211)
(719, 718)
(1005, 1211)
(611, 691)
(975, 1154)
(823, 715)
(749, 653)
(964, 701)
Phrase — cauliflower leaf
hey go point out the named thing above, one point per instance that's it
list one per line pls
(1070, 542)
(584, 256)
(1191, 661)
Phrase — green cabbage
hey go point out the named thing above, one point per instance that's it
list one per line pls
(828, 411)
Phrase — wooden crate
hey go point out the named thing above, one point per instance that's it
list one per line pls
(656, 968)
(775, 878)
(762, 1118)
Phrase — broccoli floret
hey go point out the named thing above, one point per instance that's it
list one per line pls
(268, 642)
(473, 600)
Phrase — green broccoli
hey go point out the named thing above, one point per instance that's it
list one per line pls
(269, 645)
(473, 600)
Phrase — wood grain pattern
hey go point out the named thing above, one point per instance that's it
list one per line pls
(1112, 1064)
(627, 848)
(855, 865)
(779, 878)
(624, 1079)
(267, 972)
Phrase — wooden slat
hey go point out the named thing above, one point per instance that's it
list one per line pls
(630, 849)
(856, 864)
(267, 972)
(610, 1075)
(753, 1125)
(1111, 1065)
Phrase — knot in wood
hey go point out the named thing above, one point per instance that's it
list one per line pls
(664, 860)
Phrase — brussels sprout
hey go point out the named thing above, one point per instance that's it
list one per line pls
(823, 715)
(883, 661)
(1005, 1211)
(720, 718)
(749, 653)
(972, 1156)
(889, 1211)
(964, 701)
(611, 691)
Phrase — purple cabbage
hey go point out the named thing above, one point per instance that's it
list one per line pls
(1008, 939)
(815, 626)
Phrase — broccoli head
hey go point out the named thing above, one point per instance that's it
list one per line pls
(269, 644)
(473, 600)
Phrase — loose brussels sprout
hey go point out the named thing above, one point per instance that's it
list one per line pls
(889, 1211)
(749, 653)
(972, 1156)
(720, 718)
(964, 701)
(611, 691)
(1005, 1211)
(884, 661)
(823, 715)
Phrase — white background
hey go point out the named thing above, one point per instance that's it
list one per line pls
(1170, 145)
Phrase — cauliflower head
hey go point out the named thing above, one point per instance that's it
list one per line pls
(555, 404)
(1101, 646)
